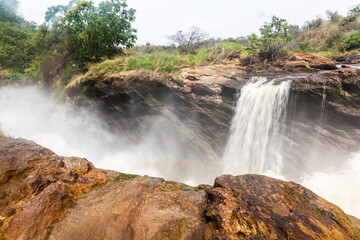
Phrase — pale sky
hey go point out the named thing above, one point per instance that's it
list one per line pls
(219, 18)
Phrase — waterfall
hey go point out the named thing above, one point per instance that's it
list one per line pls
(255, 141)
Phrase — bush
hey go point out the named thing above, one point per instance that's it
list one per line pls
(88, 33)
(303, 46)
(274, 36)
(315, 23)
(351, 42)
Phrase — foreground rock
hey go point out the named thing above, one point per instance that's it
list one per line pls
(44, 196)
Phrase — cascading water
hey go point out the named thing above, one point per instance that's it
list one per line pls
(255, 141)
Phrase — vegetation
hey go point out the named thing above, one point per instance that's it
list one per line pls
(187, 40)
(16, 47)
(84, 33)
(2, 135)
(274, 36)
(75, 36)
(80, 37)
(167, 61)
(352, 41)
(332, 37)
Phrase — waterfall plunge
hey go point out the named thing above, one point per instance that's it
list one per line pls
(255, 139)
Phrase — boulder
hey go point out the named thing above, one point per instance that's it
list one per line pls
(44, 196)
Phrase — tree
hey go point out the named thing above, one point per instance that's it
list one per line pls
(314, 23)
(354, 11)
(8, 10)
(187, 40)
(16, 50)
(333, 16)
(274, 36)
(88, 33)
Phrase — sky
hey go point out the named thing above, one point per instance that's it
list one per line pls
(157, 19)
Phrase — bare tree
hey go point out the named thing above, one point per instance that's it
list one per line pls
(186, 40)
(333, 16)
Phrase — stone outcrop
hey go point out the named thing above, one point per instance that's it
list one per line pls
(197, 105)
(44, 196)
(294, 63)
(37, 186)
(349, 59)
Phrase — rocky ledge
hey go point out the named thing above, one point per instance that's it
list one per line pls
(197, 105)
(45, 196)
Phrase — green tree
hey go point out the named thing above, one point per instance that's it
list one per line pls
(351, 42)
(16, 50)
(88, 33)
(8, 9)
(274, 36)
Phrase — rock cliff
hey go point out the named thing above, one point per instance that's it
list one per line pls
(197, 105)
(44, 196)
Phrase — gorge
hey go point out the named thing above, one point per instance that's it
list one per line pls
(301, 126)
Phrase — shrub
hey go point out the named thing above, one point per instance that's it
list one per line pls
(274, 36)
(315, 23)
(303, 46)
(351, 42)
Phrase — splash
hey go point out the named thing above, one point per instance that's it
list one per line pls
(340, 186)
(32, 114)
(255, 141)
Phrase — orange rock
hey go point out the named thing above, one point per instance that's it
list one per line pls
(44, 196)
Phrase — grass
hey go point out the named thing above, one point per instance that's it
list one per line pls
(166, 62)
(231, 47)
(160, 62)
(330, 39)
(2, 134)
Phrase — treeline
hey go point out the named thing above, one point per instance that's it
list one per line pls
(333, 35)
(77, 36)
(72, 37)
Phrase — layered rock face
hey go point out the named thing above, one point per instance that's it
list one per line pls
(44, 196)
(197, 106)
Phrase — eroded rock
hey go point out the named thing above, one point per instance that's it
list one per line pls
(44, 196)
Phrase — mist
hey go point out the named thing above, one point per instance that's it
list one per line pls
(300, 149)
(31, 113)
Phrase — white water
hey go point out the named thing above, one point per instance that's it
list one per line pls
(255, 141)
(255, 145)
(32, 114)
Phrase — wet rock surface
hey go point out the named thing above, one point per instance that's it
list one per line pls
(198, 105)
(44, 196)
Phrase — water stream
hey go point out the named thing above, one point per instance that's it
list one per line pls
(255, 141)
(261, 141)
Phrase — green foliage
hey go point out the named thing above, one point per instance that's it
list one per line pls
(274, 36)
(348, 20)
(16, 48)
(8, 10)
(351, 42)
(88, 33)
(161, 62)
(2, 135)
(303, 46)
(198, 58)
(231, 47)
(354, 11)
